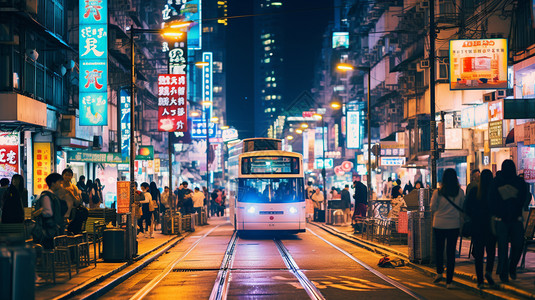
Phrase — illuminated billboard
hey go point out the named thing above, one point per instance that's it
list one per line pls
(93, 58)
(172, 103)
(478, 64)
(353, 130)
(125, 122)
(341, 39)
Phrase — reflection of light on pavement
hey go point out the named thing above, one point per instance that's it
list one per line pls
(339, 282)
(413, 284)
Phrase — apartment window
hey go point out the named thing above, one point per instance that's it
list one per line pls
(208, 29)
(218, 89)
(267, 48)
(267, 60)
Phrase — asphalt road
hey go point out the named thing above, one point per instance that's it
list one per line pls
(258, 271)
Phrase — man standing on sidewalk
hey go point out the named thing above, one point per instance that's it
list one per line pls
(361, 198)
(198, 200)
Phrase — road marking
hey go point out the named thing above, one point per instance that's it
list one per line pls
(377, 273)
(220, 289)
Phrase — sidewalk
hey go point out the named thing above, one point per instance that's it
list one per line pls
(92, 274)
(523, 286)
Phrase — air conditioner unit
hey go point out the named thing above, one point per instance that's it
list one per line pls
(97, 142)
(68, 126)
(489, 97)
(424, 63)
(442, 71)
(500, 94)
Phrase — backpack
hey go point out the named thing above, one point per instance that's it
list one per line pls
(47, 228)
(80, 216)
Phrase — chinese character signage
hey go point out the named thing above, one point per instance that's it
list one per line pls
(496, 133)
(96, 157)
(41, 166)
(157, 165)
(9, 153)
(123, 197)
(172, 103)
(495, 110)
(478, 64)
(198, 129)
(392, 161)
(125, 123)
(93, 56)
(353, 129)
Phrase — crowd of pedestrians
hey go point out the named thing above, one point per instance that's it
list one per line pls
(491, 213)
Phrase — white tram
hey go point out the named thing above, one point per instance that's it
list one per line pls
(269, 191)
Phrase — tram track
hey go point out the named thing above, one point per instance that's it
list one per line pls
(220, 288)
(387, 279)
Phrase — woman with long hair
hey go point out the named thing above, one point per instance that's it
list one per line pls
(478, 210)
(446, 206)
(156, 196)
(94, 195)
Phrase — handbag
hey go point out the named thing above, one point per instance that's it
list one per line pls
(467, 227)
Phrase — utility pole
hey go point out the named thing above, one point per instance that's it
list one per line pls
(432, 123)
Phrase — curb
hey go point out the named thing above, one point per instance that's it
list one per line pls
(465, 280)
(96, 280)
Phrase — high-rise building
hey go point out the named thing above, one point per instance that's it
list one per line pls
(268, 65)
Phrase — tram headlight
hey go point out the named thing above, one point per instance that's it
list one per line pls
(293, 210)
(251, 210)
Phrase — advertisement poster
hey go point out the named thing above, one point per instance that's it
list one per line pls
(340, 39)
(41, 166)
(157, 165)
(93, 57)
(353, 130)
(478, 64)
(123, 197)
(496, 133)
(9, 154)
(172, 103)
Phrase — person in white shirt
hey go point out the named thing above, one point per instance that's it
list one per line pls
(446, 205)
(198, 200)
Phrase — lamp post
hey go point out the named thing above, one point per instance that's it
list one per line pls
(167, 32)
(344, 67)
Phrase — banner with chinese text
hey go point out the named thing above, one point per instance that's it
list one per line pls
(478, 64)
(123, 197)
(172, 103)
(93, 57)
(125, 123)
(9, 154)
(41, 166)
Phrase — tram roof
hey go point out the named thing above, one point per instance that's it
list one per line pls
(271, 153)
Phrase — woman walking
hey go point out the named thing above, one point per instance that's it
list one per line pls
(478, 210)
(446, 205)
(147, 208)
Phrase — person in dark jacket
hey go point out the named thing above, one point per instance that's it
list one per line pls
(13, 209)
(361, 198)
(477, 209)
(346, 203)
(507, 198)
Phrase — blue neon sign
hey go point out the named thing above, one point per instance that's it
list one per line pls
(125, 123)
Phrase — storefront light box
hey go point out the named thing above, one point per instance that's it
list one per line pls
(478, 64)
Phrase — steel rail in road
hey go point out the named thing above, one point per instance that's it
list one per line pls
(309, 287)
(156, 280)
(391, 281)
(220, 289)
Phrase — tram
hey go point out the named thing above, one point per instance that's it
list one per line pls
(269, 190)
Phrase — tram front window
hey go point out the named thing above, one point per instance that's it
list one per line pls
(271, 190)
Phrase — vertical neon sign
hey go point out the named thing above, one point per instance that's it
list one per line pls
(93, 57)
(125, 123)
(207, 95)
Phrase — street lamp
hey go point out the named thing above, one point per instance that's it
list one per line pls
(166, 32)
(344, 67)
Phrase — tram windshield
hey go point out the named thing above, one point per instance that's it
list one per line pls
(271, 190)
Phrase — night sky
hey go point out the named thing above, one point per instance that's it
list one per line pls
(305, 22)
